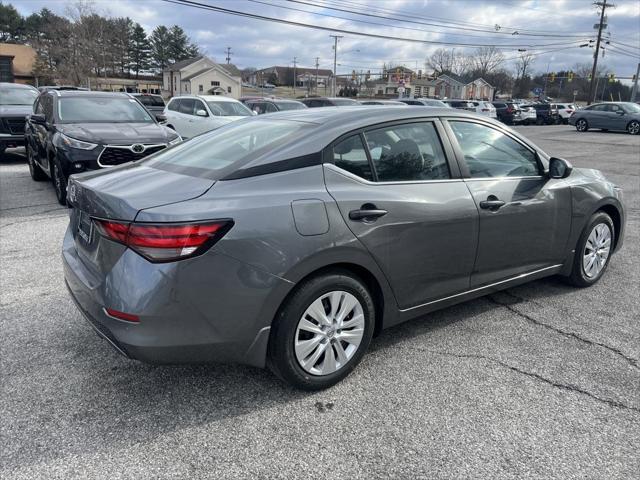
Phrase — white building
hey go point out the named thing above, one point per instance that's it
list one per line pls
(200, 75)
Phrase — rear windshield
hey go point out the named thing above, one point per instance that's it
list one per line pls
(17, 96)
(222, 151)
(90, 109)
(436, 103)
(291, 106)
(229, 109)
(343, 102)
(151, 100)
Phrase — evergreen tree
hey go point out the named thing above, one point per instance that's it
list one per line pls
(160, 56)
(140, 50)
(11, 24)
(179, 46)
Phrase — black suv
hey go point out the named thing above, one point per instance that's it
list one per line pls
(75, 131)
(16, 102)
(313, 102)
(546, 114)
(270, 105)
(507, 112)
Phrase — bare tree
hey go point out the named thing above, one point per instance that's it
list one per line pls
(522, 65)
(441, 61)
(487, 60)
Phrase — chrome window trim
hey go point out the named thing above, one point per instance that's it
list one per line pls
(346, 173)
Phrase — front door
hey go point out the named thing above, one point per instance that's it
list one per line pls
(524, 216)
(405, 202)
(615, 118)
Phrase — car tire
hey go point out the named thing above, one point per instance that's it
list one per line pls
(634, 127)
(2, 149)
(35, 170)
(59, 182)
(299, 343)
(539, 121)
(593, 251)
(582, 125)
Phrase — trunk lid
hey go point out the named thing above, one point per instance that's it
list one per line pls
(121, 192)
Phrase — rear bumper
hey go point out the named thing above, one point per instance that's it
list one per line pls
(186, 315)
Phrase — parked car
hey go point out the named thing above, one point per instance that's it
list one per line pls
(288, 240)
(270, 105)
(508, 112)
(46, 88)
(546, 113)
(16, 102)
(191, 115)
(425, 102)
(73, 131)
(528, 115)
(461, 104)
(485, 108)
(314, 102)
(608, 116)
(389, 103)
(565, 110)
(153, 103)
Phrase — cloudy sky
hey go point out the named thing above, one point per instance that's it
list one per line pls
(552, 29)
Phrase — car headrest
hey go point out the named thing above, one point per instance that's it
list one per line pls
(403, 161)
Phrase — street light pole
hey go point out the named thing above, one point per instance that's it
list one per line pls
(317, 65)
(294, 75)
(335, 61)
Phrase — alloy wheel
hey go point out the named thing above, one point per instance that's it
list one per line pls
(329, 333)
(634, 128)
(581, 125)
(596, 250)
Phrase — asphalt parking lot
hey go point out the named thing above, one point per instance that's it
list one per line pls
(540, 381)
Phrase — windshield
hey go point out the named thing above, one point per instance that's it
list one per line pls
(291, 106)
(228, 109)
(151, 100)
(91, 109)
(632, 107)
(221, 151)
(436, 103)
(17, 96)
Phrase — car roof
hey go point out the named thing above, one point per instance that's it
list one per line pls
(17, 85)
(211, 98)
(85, 93)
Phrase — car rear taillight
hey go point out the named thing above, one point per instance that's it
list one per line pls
(509, 109)
(165, 242)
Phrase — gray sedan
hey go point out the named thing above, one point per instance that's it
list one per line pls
(289, 240)
(608, 116)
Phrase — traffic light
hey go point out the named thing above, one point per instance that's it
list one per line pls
(368, 76)
(612, 78)
(570, 77)
(419, 73)
(553, 77)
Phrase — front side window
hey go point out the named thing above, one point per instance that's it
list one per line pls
(174, 105)
(409, 152)
(350, 155)
(612, 107)
(99, 109)
(186, 106)
(228, 109)
(490, 153)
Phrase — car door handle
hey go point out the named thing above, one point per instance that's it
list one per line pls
(367, 214)
(491, 203)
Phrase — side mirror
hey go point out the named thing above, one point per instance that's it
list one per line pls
(38, 119)
(201, 113)
(559, 168)
(161, 117)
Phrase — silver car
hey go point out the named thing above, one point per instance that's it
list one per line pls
(619, 116)
(289, 240)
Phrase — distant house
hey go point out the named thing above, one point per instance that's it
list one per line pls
(283, 76)
(17, 63)
(201, 75)
(453, 86)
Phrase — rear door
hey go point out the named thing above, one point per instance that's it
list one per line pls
(403, 198)
(524, 215)
(595, 116)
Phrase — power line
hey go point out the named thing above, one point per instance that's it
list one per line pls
(387, 17)
(254, 16)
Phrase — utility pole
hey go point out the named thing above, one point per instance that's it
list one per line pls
(335, 62)
(294, 75)
(634, 90)
(228, 51)
(318, 64)
(603, 5)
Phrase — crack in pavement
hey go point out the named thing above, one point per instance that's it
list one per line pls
(28, 206)
(563, 386)
(30, 219)
(630, 360)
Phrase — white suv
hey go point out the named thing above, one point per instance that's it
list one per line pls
(485, 108)
(191, 115)
(565, 110)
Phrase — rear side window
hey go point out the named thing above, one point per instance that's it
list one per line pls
(151, 100)
(350, 155)
(490, 153)
(500, 105)
(409, 152)
(186, 106)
